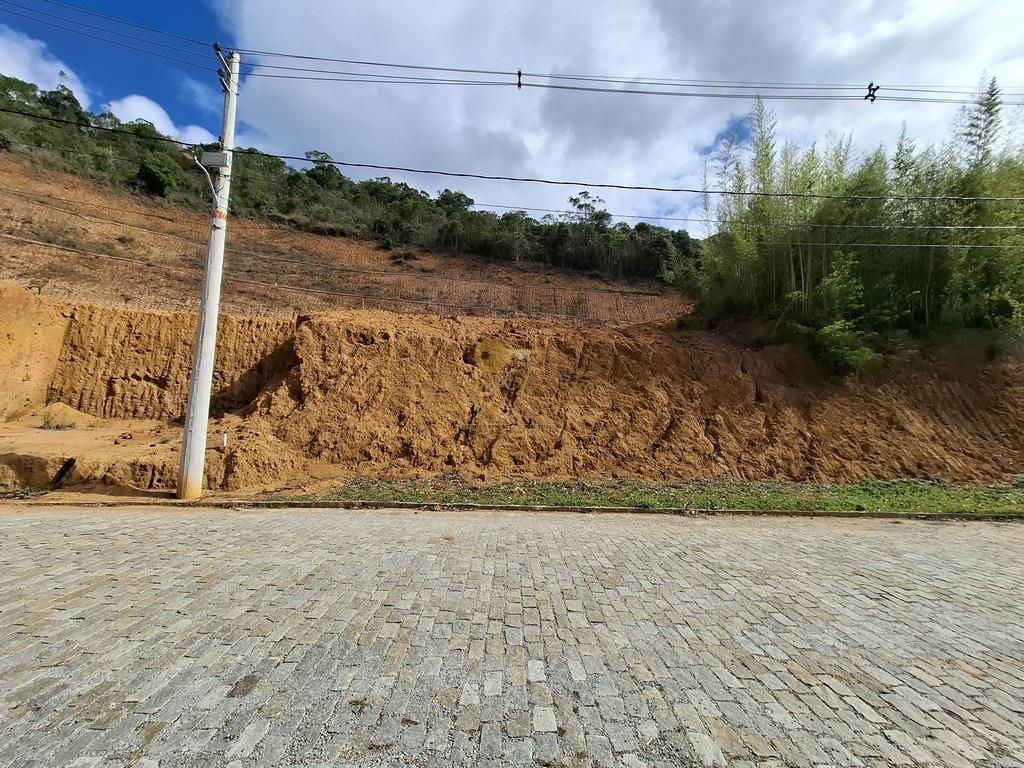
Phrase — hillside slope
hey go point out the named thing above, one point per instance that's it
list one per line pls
(77, 240)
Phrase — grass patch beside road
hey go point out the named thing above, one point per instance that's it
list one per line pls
(874, 496)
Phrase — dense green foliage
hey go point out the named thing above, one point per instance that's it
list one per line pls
(850, 268)
(321, 199)
(156, 177)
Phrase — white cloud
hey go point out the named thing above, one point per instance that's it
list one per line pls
(205, 97)
(195, 134)
(586, 136)
(136, 107)
(602, 137)
(28, 59)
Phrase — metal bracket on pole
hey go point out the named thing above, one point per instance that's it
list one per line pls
(220, 55)
(225, 68)
(197, 415)
(206, 173)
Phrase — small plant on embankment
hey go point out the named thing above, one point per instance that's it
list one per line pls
(53, 422)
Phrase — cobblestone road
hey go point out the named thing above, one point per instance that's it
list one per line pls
(320, 637)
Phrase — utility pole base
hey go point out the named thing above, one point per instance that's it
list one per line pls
(190, 491)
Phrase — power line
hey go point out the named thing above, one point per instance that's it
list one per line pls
(514, 208)
(357, 270)
(315, 70)
(793, 225)
(391, 65)
(646, 188)
(371, 78)
(751, 84)
(728, 222)
(639, 80)
(897, 245)
(755, 85)
(763, 97)
(515, 80)
(136, 38)
(941, 89)
(107, 40)
(87, 203)
(93, 127)
(626, 91)
(807, 225)
(356, 77)
(34, 197)
(646, 92)
(658, 82)
(550, 182)
(128, 23)
(380, 75)
(69, 151)
(390, 81)
(769, 84)
(240, 221)
(668, 81)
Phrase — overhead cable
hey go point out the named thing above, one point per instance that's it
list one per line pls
(146, 51)
(106, 30)
(510, 72)
(128, 23)
(538, 180)
(39, 199)
(705, 220)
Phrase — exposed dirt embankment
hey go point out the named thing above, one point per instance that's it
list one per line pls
(31, 337)
(130, 368)
(131, 364)
(385, 394)
(382, 394)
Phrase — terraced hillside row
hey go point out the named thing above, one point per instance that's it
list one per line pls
(74, 240)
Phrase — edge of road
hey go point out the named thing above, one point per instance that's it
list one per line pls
(258, 504)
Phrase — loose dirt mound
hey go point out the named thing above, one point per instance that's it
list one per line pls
(389, 395)
(133, 457)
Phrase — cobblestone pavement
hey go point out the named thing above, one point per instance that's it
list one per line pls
(322, 637)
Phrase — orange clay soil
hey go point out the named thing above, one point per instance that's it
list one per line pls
(386, 395)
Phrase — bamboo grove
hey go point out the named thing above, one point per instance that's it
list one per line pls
(900, 257)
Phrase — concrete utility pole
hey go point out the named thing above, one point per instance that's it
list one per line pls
(197, 416)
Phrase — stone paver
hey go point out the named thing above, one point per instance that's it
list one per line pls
(163, 637)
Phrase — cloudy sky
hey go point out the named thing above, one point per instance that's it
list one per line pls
(533, 132)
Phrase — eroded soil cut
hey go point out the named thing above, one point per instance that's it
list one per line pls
(388, 395)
